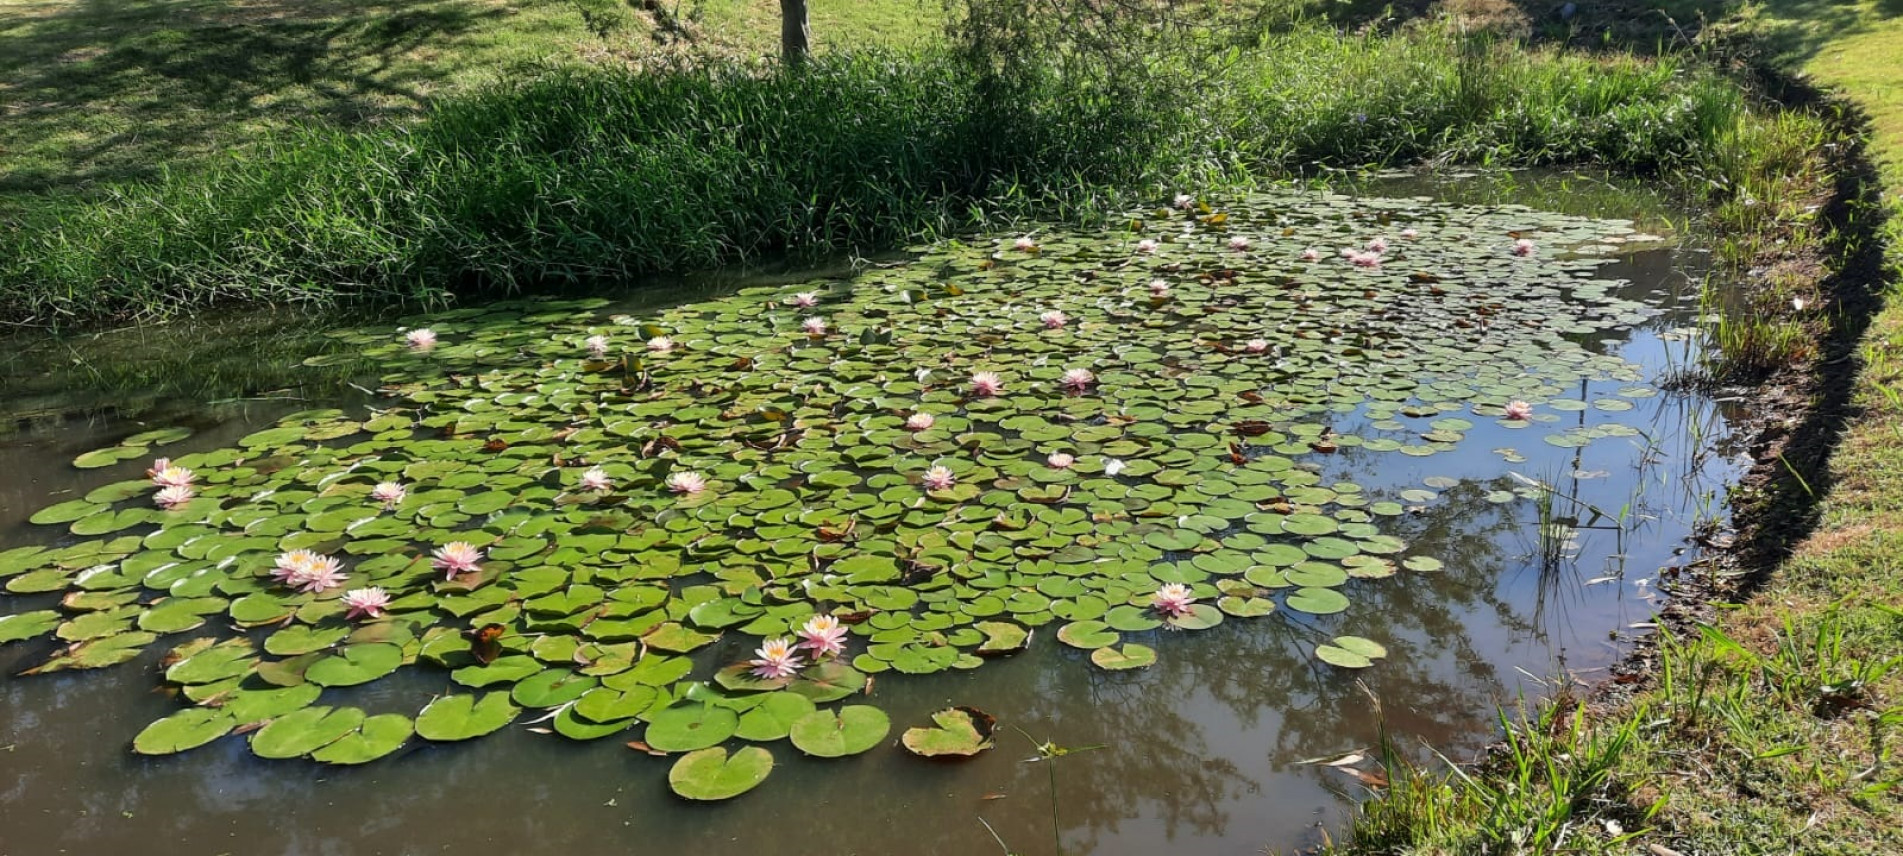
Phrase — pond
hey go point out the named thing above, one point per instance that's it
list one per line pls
(1149, 518)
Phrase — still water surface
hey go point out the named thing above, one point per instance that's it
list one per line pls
(1199, 754)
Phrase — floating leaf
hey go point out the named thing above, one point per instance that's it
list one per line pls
(186, 729)
(850, 731)
(461, 717)
(1127, 656)
(955, 732)
(305, 731)
(710, 774)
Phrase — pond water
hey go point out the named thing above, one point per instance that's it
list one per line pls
(1354, 476)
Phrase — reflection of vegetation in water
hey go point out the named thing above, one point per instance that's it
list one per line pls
(750, 464)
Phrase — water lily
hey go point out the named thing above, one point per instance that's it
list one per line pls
(1078, 380)
(596, 479)
(687, 482)
(919, 421)
(806, 300)
(1519, 410)
(1159, 288)
(985, 384)
(457, 557)
(1024, 244)
(660, 344)
(1238, 242)
(1797, 303)
(1378, 245)
(939, 478)
(1256, 346)
(1410, 234)
(321, 573)
(1054, 319)
(290, 565)
(174, 496)
(1366, 260)
(1311, 254)
(814, 326)
(597, 346)
(388, 493)
(164, 473)
(1523, 247)
(777, 661)
(366, 602)
(1147, 245)
(1173, 599)
(823, 635)
(421, 339)
(1112, 467)
(1184, 201)
(1060, 460)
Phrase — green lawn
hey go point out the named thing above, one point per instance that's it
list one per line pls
(105, 90)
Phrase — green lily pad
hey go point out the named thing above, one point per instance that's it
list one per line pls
(304, 731)
(377, 737)
(687, 727)
(461, 717)
(186, 729)
(955, 732)
(711, 774)
(1127, 656)
(1316, 601)
(355, 664)
(851, 730)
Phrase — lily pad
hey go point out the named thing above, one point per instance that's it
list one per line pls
(711, 774)
(187, 729)
(955, 732)
(461, 717)
(851, 730)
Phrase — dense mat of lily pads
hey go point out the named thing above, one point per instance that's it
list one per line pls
(714, 523)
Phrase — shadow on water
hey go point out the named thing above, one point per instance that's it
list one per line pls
(1201, 754)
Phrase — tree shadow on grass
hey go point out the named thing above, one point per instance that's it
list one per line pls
(106, 90)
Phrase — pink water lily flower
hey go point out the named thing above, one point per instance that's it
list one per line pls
(1366, 260)
(1078, 380)
(1256, 346)
(1410, 233)
(421, 339)
(1025, 244)
(457, 557)
(1523, 247)
(1112, 467)
(686, 481)
(597, 346)
(777, 661)
(919, 421)
(321, 573)
(1173, 599)
(823, 635)
(939, 478)
(173, 496)
(806, 300)
(1060, 460)
(661, 344)
(1159, 288)
(596, 479)
(366, 602)
(1184, 201)
(814, 326)
(164, 473)
(1519, 410)
(1054, 319)
(290, 565)
(1147, 245)
(1240, 243)
(388, 493)
(1311, 254)
(1378, 245)
(985, 384)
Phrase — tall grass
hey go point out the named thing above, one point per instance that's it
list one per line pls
(586, 174)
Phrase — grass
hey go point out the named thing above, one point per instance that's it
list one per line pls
(112, 90)
(579, 175)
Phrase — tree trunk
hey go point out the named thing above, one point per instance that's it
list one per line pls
(795, 37)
